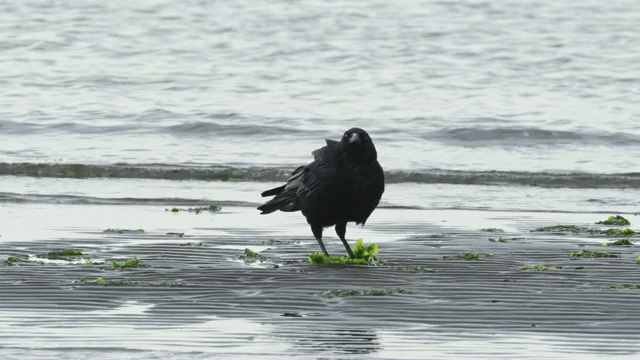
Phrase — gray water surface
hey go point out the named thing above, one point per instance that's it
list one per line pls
(509, 85)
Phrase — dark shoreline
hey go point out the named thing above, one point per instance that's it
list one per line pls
(574, 180)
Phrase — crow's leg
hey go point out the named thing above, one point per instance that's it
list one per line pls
(317, 232)
(341, 230)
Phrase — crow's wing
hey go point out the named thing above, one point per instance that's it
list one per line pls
(305, 181)
(319, 175)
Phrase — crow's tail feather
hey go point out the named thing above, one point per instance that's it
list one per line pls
(274, 191)
(284, 201)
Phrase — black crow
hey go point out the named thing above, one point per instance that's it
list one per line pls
(343, 184)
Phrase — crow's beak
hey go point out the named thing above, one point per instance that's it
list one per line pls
(355, 138)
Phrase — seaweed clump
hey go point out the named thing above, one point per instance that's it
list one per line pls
(615, 220)
(66, 254)
(621, 242)
(504, 239)
(198, 209)
(539, 267)
(123, 231)
(614, 232)
(14, 259)
(625, 286)
(250, 256)
(364, 255)
(349, 293)
(470, 256)
(559, 228)
(593, 254)
(131, 263)
(108, 282)
(420, 269)
(492, 230)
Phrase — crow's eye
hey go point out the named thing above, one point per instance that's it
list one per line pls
(366, 138)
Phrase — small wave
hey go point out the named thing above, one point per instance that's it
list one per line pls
(185, 129)
(424, 176)
(200, 128)
(528, 136)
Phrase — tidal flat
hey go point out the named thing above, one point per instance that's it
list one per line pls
(210, 299)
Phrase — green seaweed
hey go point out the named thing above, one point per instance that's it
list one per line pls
(200, 244)
(13, 260)
(615, 220)
(197, 209)
(67, 254)
(538, 267)
(492, 230)
(349, 293)
(638, 260)
(621, 242)
(470, 256)
(592, 254)
(364, 255)
(109, 282)
(558, 228)
(131, 263)
(250, 256)
(625, 286)
(122, 231)
(614, 232)
(279, 242)
(420, 269)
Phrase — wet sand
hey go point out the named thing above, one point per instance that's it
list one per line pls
(197, 298)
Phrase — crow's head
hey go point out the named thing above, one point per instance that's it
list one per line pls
(357, 142)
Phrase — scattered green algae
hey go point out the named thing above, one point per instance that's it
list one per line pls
(615, 220)
(197, 209)
(250, 256)
(558, 228)
(91, 262)
(420, 269)
(625, 286)
(638, 260)
(621, 242)
(492, 230)
(117, 282)
(131, 263)
(470, 256)
(178, 234)
(505, 240)
(123, 231)
(13, 260)
(364, 255)
(539, 267)
(592, 254)
(67, 255)
(279, 242)
(349, 293)
(614, 232)
(200, 244)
